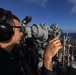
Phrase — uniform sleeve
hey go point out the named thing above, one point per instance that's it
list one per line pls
(46, 71)
(71, 71)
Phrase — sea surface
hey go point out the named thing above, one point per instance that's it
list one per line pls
(73, 35)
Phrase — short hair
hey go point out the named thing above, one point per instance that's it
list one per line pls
(9, 16)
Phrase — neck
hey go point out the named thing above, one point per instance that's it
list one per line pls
(7, 47)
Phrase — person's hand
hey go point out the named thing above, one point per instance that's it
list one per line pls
(51, 50)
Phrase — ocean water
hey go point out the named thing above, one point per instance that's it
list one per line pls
(73, 35)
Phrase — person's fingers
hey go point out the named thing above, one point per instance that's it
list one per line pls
(56, 42)
(58, 47)
(53, 40)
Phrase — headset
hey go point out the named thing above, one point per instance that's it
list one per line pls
(6, 30)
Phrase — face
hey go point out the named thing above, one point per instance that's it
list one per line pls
(17, 33)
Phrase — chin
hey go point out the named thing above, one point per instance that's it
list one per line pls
(16, 43)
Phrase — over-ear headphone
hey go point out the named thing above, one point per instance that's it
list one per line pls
(6, 30)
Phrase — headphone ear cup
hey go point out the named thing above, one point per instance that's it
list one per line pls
(6, 31)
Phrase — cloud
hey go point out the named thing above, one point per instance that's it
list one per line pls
(70, 30)
(41, 3)
(73, 2)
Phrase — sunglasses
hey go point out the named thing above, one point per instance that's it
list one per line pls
(16, 26)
